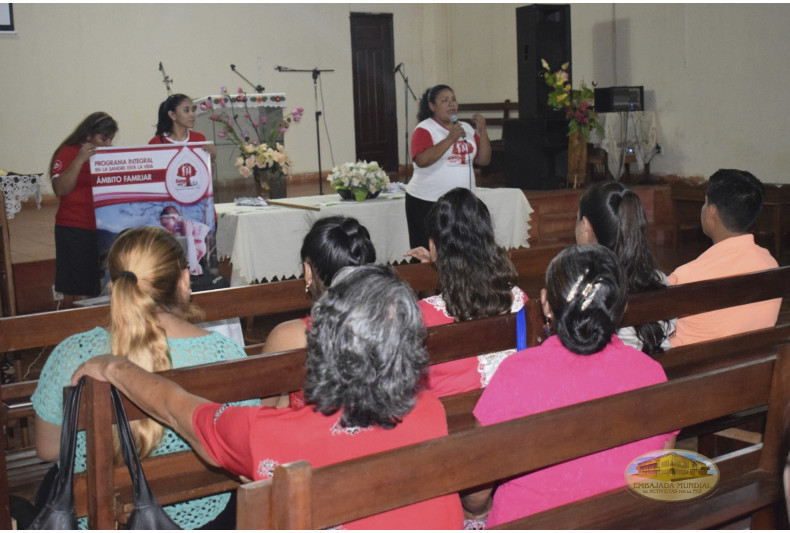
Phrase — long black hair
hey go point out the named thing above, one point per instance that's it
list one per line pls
(619, 223)
(429, 96)
(98, 123)
(475, 275)
(587, 296)
(165, 123)
(333, 243)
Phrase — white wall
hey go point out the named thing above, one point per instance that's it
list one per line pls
(715, 74)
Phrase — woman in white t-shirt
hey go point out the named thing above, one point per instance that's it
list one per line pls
(443, 150)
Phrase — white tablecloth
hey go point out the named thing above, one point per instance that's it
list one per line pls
(634, 131)
(264, 242)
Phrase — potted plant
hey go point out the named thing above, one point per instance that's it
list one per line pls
(360, 180)
(582, 118)
(262, 154)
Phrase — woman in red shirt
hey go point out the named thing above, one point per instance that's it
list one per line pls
(175, 123)
(365, 363)
(76, 247)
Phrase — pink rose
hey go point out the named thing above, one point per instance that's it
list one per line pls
(245, 172)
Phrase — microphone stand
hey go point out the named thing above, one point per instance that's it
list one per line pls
(316, 72)
(407, 89)
(167, 79)
(258, 88)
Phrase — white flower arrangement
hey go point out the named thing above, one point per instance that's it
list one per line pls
(264, 157)
(361, 178)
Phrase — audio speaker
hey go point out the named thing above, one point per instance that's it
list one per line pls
(536, 153)
(613, 99)
(543, 31)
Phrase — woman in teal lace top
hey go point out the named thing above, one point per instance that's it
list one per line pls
(151, 324)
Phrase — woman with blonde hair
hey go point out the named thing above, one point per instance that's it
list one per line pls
(151, 324)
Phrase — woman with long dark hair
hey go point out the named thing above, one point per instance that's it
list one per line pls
(76, 248)
(175, 121)
(476, 280)
(443, 150)
(612, 215)
(585, 297)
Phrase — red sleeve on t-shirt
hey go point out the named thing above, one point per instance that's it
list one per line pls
(420, 141)
(158, 140)
(224, 433)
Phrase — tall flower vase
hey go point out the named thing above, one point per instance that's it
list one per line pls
(270, 183)
(577, 159)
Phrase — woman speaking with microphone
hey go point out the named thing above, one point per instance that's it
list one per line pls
(443, 150)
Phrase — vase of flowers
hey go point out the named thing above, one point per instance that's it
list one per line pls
(582, 118)
(360, 180)
(262, 154)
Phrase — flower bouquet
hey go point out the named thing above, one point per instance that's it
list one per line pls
(359, 180)
(578, 103)
(263, 155)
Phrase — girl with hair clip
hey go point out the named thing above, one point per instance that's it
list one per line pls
(476, 280)
(76, 248)
(151, 325)
(585, 299)
(611, 215)
(443, 150)
(175, 122)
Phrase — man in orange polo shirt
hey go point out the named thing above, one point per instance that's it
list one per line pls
(733, 200)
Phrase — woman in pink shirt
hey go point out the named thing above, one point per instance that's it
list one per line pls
(584, 298)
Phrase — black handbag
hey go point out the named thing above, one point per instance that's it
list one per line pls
(58, 512)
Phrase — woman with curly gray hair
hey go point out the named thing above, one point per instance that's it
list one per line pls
(365, 363)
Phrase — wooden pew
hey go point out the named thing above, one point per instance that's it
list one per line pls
(49, 328)
(284, 372)
(299, 497)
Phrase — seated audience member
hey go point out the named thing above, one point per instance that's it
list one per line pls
(150, 325)
(733, 200)
(331, 244)
(476, 280)
(611, 215)
(365, 362)
(585, 297)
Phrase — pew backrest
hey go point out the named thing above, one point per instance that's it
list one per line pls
(299, 497)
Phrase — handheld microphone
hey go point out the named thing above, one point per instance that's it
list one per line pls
(454, 120)
(397, 68)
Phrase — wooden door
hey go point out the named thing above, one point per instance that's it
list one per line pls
(373, 60)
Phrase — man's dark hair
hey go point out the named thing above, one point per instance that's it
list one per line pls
(738, 196)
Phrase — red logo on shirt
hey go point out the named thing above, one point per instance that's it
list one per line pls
(461, 150)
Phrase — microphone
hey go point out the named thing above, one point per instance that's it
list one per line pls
(233, 68)
(161, 68)
(278, 68)
(397, 68)
(454, 120)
